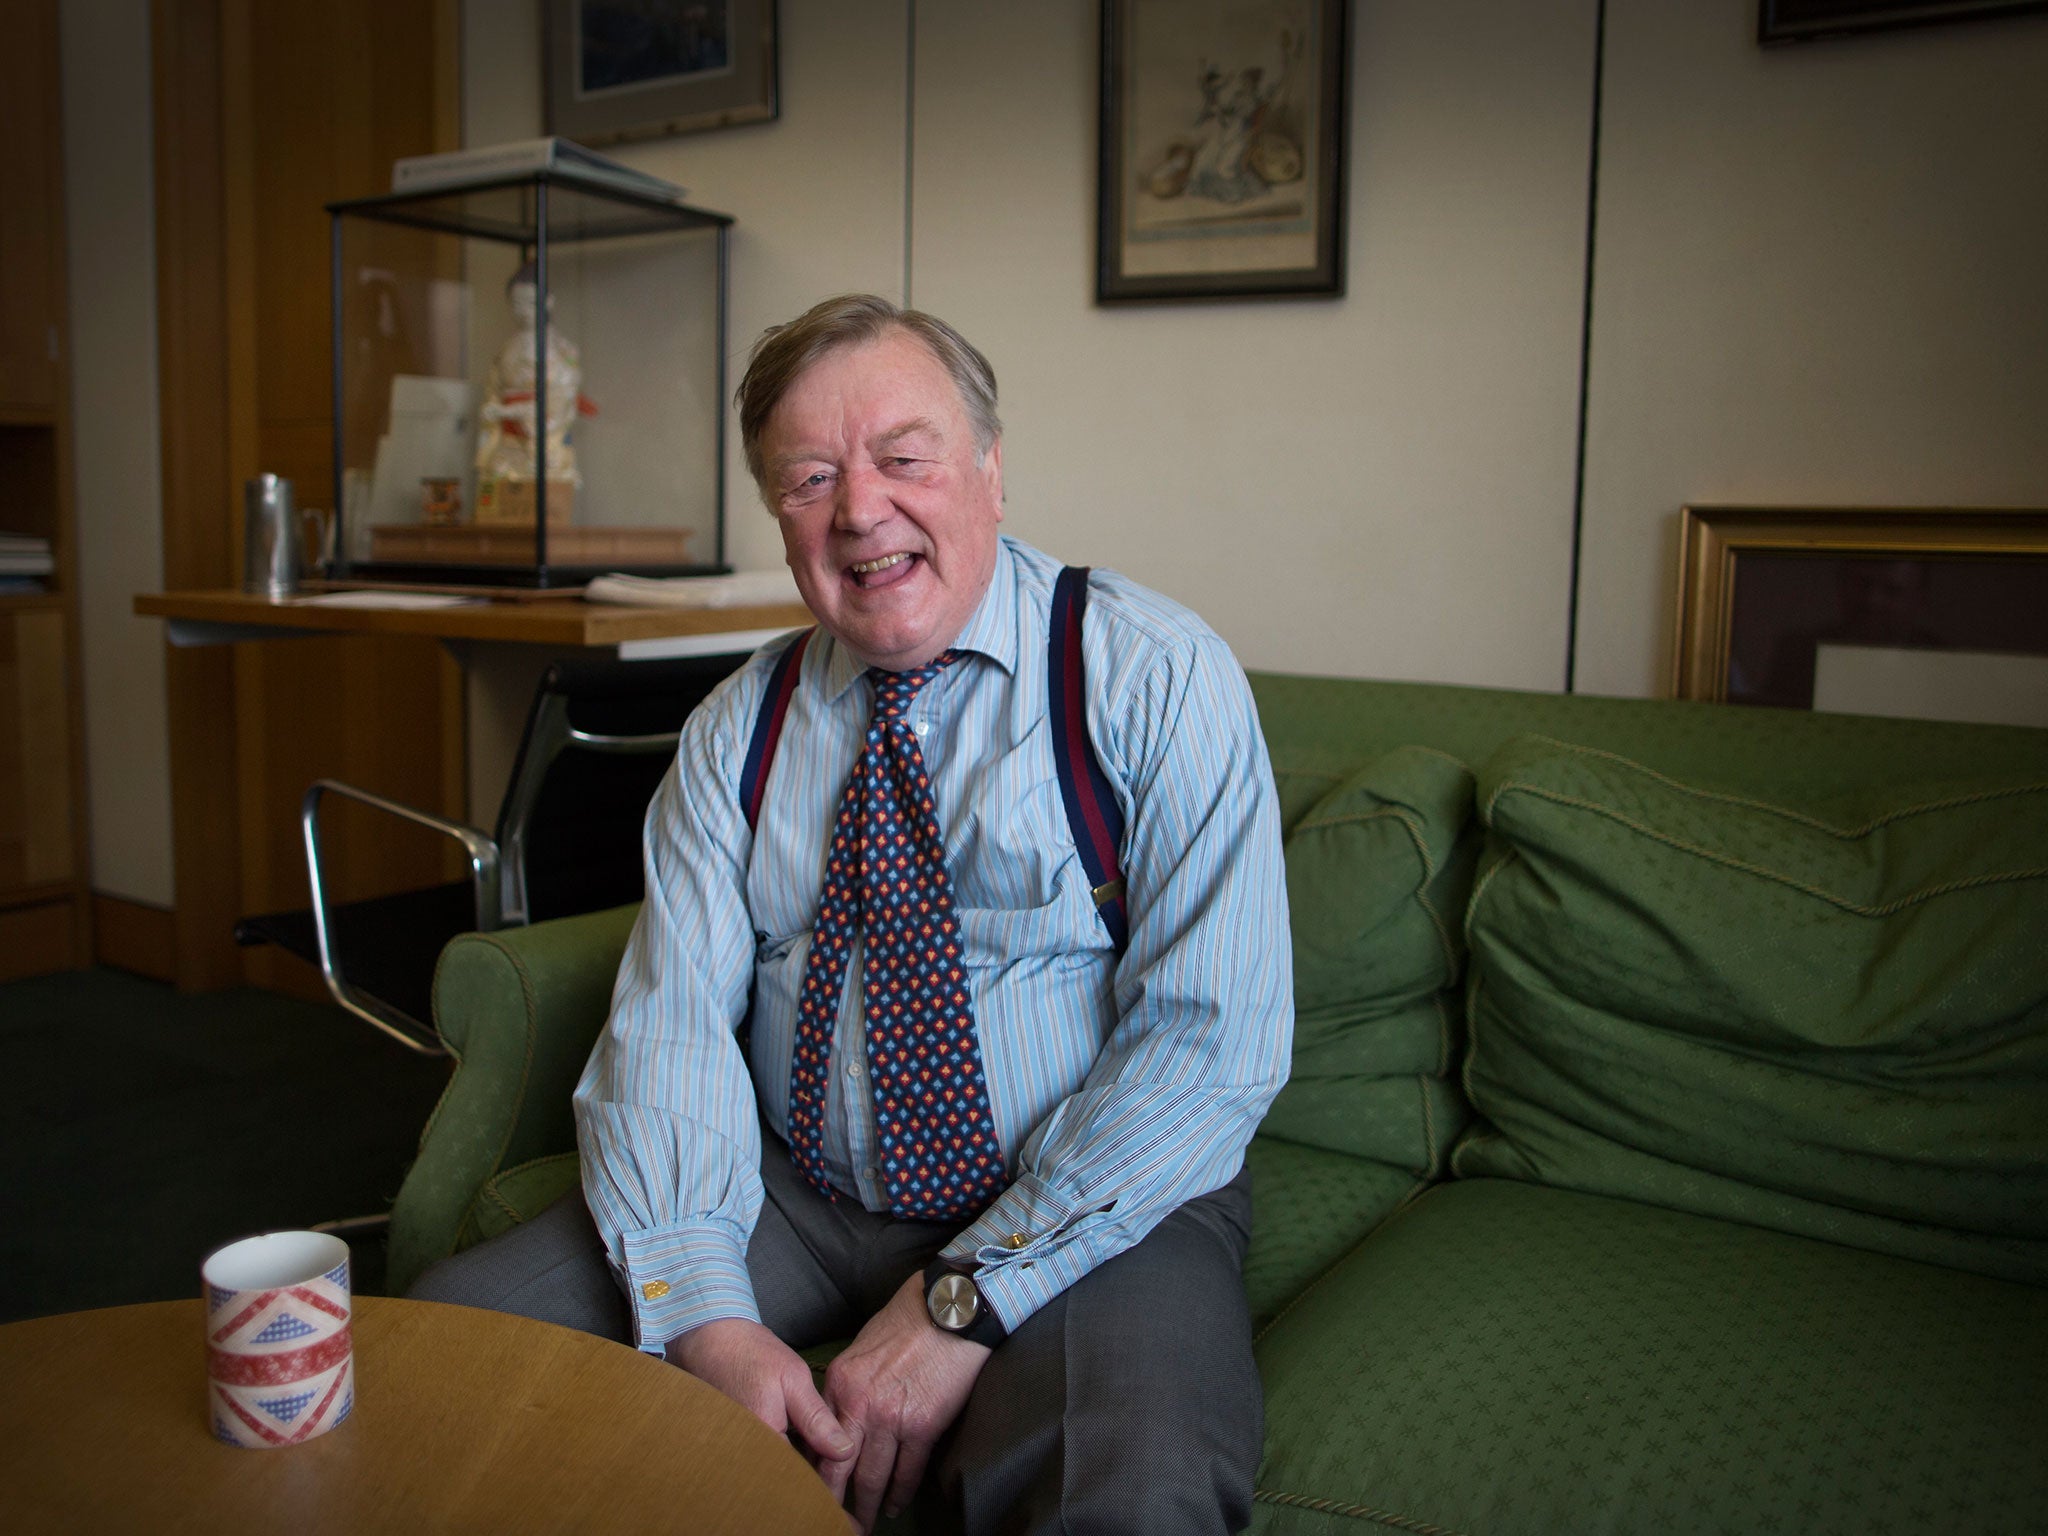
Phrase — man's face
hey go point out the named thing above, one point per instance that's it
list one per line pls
(888, 522)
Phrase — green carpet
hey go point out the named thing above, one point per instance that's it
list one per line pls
(140, 1129)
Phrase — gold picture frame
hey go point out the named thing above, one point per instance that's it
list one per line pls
(1760, 587)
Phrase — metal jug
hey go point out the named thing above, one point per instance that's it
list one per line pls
(274, 542)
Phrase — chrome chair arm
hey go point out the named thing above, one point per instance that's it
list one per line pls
(415, 1034)
(653, 741)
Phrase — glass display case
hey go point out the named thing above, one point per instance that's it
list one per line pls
(529, 384)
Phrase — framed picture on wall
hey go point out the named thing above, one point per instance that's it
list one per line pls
(639, 69)
(1222, 149)
(1937, 613)
(1792, 21)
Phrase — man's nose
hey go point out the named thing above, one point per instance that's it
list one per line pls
(863, 500)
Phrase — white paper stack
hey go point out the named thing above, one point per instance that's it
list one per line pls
(742, 589)
(23, 554)
(373, 598)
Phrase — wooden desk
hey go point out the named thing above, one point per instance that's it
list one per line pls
(565, 623)
(464, 1420)
(253, 725)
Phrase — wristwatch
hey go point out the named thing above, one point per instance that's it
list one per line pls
(955, 1305)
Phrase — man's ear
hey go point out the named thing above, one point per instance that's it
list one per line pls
(992, 470)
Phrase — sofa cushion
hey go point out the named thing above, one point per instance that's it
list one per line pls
(1309, 1209)
(1504, 1358)
(1378, 872)
(1832, 1024)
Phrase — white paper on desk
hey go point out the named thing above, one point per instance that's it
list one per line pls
(742, 589)
(387, 600)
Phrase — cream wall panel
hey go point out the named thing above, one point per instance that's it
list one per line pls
(109, 203)
(1378, 485)
(1819, 281)
(818, 193)
(501, 72)
(818, 196)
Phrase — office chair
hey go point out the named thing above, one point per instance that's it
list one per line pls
(599, 736)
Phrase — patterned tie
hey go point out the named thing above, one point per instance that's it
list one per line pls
(885, 877)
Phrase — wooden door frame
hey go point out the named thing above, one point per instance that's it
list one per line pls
(206, 363)
(190, 75)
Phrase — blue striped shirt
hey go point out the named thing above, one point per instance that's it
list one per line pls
(1120, 1087)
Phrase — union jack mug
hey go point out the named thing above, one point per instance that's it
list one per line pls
(280, 1364)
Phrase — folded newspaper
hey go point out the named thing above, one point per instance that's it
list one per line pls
(742, 589)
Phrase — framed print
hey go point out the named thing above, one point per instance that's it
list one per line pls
(1222, 149)
(1938, 613)
(1792, 21)
(638, 69)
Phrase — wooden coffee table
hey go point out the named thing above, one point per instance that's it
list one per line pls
(464, 1420)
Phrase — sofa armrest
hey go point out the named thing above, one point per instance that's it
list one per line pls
(519, 1010)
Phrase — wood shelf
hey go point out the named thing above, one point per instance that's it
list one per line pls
(571, 622)
(37, 895)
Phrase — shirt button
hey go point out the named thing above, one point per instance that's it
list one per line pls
(868, 1173)
(654, 1290)
(924, 727)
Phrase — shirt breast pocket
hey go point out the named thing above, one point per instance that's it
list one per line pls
(772, 950)
(1053, 935)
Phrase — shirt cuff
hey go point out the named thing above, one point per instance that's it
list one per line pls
(1024, 1249)
(679, 1278)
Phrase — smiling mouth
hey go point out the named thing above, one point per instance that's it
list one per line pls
(864, 570)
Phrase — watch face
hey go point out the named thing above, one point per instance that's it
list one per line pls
(953, 1302)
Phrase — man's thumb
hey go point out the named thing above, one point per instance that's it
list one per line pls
(818, 1424)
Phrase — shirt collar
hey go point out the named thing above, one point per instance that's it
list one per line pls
(990, 632)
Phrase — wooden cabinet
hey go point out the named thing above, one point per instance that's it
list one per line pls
(43, 875)
(35, 756)
(31, 204)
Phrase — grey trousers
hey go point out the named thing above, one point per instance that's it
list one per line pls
(1128, 1404)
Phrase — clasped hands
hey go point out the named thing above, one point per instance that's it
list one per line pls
(888, 1397)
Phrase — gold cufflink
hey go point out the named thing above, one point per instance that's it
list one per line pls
(1015, 1240)
(654, 1290)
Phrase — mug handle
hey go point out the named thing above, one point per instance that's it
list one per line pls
(317, 551)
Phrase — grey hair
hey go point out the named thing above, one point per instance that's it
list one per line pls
(786, 351)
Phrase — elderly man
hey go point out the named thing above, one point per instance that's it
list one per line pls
(880, 1061)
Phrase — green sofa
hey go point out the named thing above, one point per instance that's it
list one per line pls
(1667, 1144)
